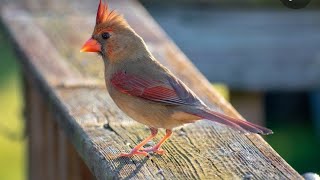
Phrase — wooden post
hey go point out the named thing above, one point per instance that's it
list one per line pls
(52, 144)
(62, 156)
(37, 148)
(51, 156)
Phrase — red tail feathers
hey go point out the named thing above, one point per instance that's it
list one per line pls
(238, 124)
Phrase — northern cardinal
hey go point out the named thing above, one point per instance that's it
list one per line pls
(143, 88)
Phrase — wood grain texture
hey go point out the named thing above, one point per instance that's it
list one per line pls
(36, 135)
(99, 131)
(51, 131)
(62, 156)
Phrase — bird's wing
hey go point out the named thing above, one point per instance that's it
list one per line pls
(170, 92)
(174, 92)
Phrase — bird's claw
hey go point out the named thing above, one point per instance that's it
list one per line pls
(134, 152)
(154, 150)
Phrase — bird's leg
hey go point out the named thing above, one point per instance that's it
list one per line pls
(138, 149)
(157, 148)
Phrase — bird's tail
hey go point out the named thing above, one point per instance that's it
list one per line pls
(238, 124)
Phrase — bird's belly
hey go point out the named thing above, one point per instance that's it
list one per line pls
(149, 113)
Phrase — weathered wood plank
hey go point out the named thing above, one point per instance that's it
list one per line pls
(228, 154)
(99, 131)
(45, 60)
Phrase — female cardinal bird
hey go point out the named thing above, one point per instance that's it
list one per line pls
(143, 88)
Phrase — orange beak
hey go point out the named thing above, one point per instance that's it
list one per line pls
(91, 45)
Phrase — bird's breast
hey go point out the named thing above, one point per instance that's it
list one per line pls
(149, 113)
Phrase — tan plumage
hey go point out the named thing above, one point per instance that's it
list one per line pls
(144, 89)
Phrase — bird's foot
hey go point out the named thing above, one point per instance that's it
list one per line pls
(134, 152)
(154, 149)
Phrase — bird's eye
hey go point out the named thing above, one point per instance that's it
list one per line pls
(105, 35)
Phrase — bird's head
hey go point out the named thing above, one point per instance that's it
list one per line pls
(112, 36)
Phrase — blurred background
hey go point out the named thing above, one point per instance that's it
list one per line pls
(261, 55)
(12, 142)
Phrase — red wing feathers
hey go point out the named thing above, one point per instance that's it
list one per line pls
(174, 92)
(170, 92)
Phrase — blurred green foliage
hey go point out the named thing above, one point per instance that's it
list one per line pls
(223, 90)
(298, 144)
(12, 150)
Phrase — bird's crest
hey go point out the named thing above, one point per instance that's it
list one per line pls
(104, 15)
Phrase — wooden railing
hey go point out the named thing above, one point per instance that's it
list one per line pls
(76, 131)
